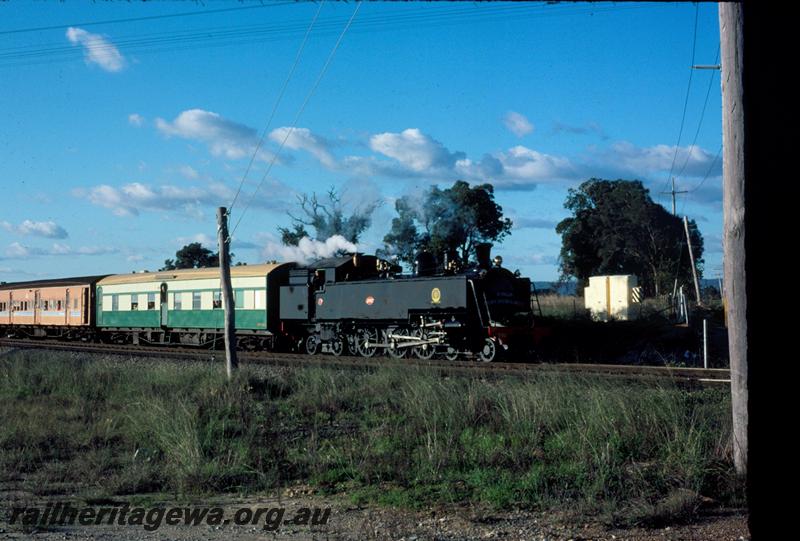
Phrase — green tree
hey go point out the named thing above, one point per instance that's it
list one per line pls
(615, 228)
(450, 221)
(192, 256)
(326, 218)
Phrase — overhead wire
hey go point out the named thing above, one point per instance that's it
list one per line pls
(134, 19)
(702, 115)
(686, 100)
(699, 125)
(297, 116)
(213, 37)
(275, 107)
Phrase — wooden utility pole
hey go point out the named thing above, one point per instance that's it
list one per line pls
(734, 219)
(673, 192)
(231, 361)
(691, 259)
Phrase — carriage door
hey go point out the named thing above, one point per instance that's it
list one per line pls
(85, 306)
(164, 305)
(37, 313)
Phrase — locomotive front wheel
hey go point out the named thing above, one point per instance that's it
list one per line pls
(489, 351)
(312, 345)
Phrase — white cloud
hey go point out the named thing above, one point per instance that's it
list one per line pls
(189, 172)
(49, 229)
(130, 199)
(223, 137)
(517, 124)
(415, 150)
(414, 154)
(657, 159)
(519, 166)
(303, 139)
(15, 250)
(97, 49)
(135, 119)
(206, 240)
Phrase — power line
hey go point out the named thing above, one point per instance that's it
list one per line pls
(708, 173)
(134, 19)
(275, 107)
(686, 100)
(297, 116)
(702, 115)
(213, 37)
(705, 177)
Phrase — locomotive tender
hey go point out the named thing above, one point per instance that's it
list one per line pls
(356, 303)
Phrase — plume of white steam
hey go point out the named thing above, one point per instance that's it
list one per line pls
(308, 249)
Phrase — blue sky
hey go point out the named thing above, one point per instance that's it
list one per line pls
(119, 140)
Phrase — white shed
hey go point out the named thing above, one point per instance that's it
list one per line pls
(612, 297)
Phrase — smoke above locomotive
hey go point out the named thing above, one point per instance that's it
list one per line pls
(308, 249)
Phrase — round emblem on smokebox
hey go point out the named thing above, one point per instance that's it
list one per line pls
(369, 300)
(436, 295)
(320, 301)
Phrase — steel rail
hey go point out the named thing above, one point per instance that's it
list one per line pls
(699, 375)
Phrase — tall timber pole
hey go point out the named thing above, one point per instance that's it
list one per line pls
(691, 260)
(231, 361)
(735, 223)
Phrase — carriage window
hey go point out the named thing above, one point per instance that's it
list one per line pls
(195, 300)
(58, 304)
(114, 303)
(177, 298)
(217, 299)
(238, 298)
(46, 305)
(151, 301)
(134, 302)
(75, 304)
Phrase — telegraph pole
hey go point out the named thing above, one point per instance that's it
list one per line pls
(673, 192)
(231, 361)
(691, 259)
(735, 222)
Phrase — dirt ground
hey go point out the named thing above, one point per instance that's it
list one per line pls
(349, 522)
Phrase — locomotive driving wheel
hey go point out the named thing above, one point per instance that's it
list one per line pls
(364, 337)
(337, 345)
(423, 351)
(396, 352)
(311, 345)
(451, 354)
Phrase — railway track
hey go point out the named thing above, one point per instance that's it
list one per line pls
(702, 376)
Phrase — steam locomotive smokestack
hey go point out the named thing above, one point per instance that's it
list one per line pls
(483, 253)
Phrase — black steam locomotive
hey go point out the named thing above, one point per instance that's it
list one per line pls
(361, 305)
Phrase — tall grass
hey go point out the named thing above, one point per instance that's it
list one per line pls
(407, 436)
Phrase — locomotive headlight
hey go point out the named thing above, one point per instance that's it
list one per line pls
(498, 260)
